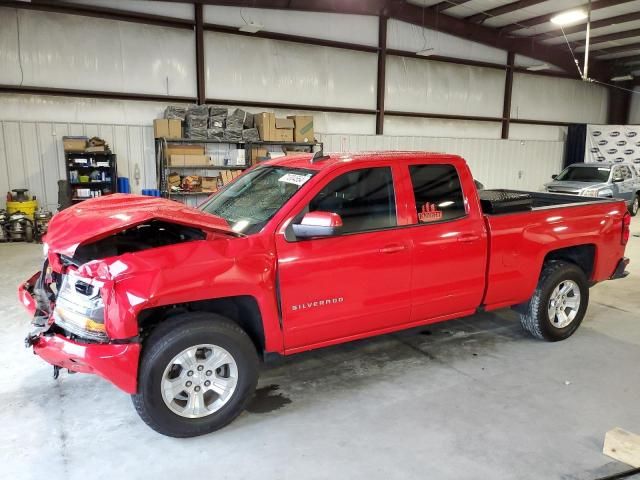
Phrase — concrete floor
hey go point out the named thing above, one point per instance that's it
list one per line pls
(474, 398)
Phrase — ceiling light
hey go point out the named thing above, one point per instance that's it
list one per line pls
(622, 78)
(427, 52)
(539, 67)
(251, 28)
(567, 18)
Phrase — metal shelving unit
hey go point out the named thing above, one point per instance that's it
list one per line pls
(104, 187)
(163, 168)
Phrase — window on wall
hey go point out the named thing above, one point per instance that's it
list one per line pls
(364, 199)
(437, 192)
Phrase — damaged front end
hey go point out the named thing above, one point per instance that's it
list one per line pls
(84, 320)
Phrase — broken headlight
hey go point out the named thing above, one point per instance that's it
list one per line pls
(79, 308)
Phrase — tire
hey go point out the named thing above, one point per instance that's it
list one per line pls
(167, 342)
(536, 316)
(635, 205)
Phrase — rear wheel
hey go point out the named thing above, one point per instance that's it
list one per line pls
(197, 373)
(635, 205)
(558, 304)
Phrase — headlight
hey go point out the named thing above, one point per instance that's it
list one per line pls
(80, 309)
(597, 192)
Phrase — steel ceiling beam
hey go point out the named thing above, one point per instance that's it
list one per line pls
(539, 20)
(628, 60)
(100, 12)
(612, 37)
(552, 54)
(632, 47)
(446, 5)
(502, 10)
(605, 22)
(356, 7)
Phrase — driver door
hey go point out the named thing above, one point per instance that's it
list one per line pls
(357, 281)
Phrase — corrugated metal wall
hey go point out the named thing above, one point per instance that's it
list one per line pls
(31, 155)
(520, 164)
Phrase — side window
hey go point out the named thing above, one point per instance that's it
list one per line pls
(626, 173)
(437, 192)
(617, 173)
(364, 199)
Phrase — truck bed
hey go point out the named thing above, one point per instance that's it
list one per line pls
(502, 201)
(520, 239)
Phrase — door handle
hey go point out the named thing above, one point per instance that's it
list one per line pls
(393, 248)
(468, 238)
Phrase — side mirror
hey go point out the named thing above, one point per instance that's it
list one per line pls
(318, 224)
(553, 177)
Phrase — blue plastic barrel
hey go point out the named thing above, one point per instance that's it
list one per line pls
(123, 185)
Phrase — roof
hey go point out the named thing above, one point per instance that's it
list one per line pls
(303, 160)
(593, 164)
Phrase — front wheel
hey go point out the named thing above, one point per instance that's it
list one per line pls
(558, 304)
(635, 205)
(197, 373)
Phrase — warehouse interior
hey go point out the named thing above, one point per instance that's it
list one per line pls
(178, 101)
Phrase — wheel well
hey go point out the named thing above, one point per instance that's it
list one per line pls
(581, 255)
(243, 310)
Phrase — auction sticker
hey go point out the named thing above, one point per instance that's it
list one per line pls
(295, 178)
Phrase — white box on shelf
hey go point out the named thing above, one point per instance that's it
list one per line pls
(236, 157)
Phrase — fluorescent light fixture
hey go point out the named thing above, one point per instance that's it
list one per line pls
(539, 67)
(622, 78)
(427, 52)
(251, 27)
(567, 18)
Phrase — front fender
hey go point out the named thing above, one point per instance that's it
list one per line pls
(188, 272)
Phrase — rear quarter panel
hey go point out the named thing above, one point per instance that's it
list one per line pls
(519, 243)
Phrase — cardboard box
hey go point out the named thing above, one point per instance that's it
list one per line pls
(164, 128)
(184, 150)
(303, 128)
(259, 155)
(99, 149)
(174, 179)
(272, 129)
(284, 130)
(209, 184)
(190, 160)
(175, 128)
(74, 144)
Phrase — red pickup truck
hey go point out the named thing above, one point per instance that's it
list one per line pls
(176, 305)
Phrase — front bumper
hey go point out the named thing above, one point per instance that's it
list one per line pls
(115, 362)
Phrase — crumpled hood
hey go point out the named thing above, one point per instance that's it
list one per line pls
(100, 217)
(575, 185)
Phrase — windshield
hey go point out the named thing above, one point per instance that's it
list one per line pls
(585, 174)
(250, 202)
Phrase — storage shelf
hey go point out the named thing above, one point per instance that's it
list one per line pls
(104, 187)
(84, 154)
(163, 169)
(190, 193)
(206, 167)
(80, 165)
(84, 184)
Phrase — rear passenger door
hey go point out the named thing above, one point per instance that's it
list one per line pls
(626, 188)
(450, 245)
